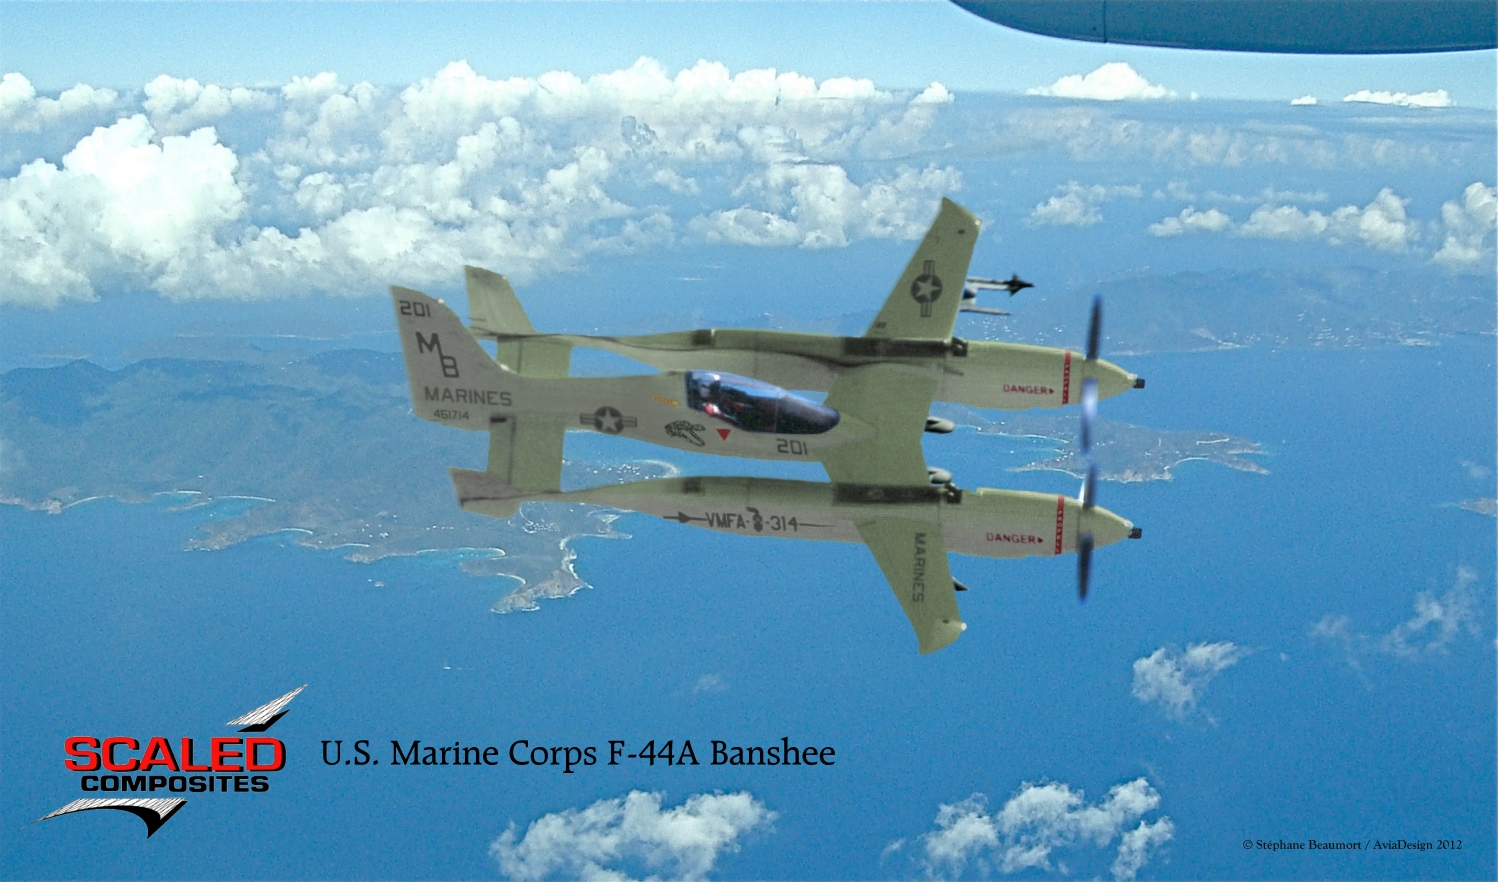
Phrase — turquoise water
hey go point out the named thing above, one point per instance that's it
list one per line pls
(113, 629)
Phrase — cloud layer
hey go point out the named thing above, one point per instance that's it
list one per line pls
(1040, 820)
(196, 190)
(1176, 681)
(1465, 228)
(633, 831)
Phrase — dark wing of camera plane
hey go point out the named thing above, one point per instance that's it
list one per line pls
(1327, 27)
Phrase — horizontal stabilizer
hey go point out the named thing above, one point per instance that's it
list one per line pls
(483, 493)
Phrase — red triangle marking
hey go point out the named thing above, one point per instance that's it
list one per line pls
(723, 433)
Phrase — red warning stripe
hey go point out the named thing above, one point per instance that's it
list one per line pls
(1060, 519)
(1066, 381)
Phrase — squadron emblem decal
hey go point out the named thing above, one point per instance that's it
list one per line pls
(687, 431)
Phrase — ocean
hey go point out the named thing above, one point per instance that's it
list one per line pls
(1379, 727)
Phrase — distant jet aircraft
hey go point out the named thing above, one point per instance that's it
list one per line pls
(914, 329)
(1330, 27)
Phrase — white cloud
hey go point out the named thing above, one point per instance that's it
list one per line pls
(1436, 623)
(175, 106)
(1438, 98)
(1078, 206)
(709, 683)
(1381, 224)
(1468, 225)
(1176, 682)
(1303, 101)
(1114, 81)
(1039, 820)
(346, 188)
(819, 206)
(1192, 221)
(1135, 846)
(592, 843)
(1115, 133)
(1284, 222)
(123, 203)
(1437, 620)
(22, 111)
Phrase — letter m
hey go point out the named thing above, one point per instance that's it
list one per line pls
(136, 783)
(449, 363)
(398, 758)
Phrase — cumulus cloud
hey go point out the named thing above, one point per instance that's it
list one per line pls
(1191, 221)
(1438, 98)
(819, 206)
(1438, 620)
(684, 842)
(1176, 682)
(1041, 819)
(1381, 224)
(1114, 81)
(1078, 206)
(1303, 101)
(1468, 226)
(345, 188)
(123, 203)
(175, 106)
(22, 111)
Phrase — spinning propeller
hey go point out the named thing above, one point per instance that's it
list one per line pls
(1088, 494)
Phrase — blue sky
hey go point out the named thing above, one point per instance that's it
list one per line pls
(896, 44)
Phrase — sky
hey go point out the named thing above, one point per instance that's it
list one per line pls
(897, 44)
(204, 172)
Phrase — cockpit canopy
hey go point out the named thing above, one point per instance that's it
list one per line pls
(755, 406)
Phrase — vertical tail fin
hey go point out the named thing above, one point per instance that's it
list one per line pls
(453, 380)
(495, 312)
(926, 299)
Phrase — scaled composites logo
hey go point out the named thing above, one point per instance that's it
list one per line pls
(122, 765)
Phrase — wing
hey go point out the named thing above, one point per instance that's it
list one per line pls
(895, 400)
(924, 303)
(914, 560)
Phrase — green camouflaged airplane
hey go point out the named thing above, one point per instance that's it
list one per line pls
(866, 435)
(914, 329)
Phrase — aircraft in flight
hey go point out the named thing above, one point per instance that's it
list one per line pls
(880, 495)
(866, 435)
(914, 328)
(1324, 27)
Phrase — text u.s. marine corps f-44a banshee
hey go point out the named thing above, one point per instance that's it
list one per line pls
(866, 435)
